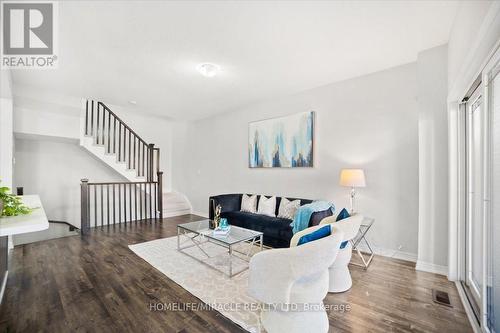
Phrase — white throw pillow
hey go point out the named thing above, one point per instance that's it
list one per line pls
(249, 203)
(267, 206)
(288, 208)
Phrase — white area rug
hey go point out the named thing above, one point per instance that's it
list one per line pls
(226, 295)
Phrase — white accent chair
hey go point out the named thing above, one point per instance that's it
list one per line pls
(285, 280)
(340, 277)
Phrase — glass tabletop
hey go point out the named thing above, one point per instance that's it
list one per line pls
(235, 235)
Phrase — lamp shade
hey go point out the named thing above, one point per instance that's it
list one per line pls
(352, 178)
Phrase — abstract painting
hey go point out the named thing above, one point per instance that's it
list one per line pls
(285, 142)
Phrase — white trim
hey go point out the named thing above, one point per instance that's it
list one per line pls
(4, 285)
(390, 253)
(405, 256)
(454, 175)
(431, 268)
(202, 214)
(467, 308)
(177, 213)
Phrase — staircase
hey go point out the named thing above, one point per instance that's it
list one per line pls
(141, 196)
(109, 139)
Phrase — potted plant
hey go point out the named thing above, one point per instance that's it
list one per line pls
(11, 205)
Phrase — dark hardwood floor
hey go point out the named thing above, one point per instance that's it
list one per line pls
(96, 284)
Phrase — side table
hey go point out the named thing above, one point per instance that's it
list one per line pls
(366, 224)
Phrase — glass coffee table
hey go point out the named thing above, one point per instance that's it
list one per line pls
(198, 234)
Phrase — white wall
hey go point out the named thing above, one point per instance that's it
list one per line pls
(38, 120)
(53, 169)
(181, 139)
(6, 129)
(433, 160)
(368, 122)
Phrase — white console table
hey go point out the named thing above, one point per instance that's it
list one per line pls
(36, 221)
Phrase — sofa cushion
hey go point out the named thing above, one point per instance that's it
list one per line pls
(287, 208)
(274, 227)
(249, 203)
(342, 215)
(316, 217)
(315, 235)
(302, 202)
(267, 206)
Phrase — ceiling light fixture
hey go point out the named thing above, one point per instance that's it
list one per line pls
(132, 102)
(208, 69)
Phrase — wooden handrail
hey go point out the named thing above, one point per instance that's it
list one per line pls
(116, 183)
(122, 122)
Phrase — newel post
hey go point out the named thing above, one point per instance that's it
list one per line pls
(84, 199)
(160, 193)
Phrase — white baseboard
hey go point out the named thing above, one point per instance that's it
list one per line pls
(176, 213)
(405, 256)
(202, 214)
(431, 268)
(390, 253)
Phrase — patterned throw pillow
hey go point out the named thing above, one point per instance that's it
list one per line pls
(249, 203)
(267, 206)
(288, 208)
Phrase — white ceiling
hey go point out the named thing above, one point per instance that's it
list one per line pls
(119, 51)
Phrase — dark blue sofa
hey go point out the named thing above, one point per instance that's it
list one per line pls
(277, 231)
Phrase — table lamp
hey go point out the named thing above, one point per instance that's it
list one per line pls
(352, 178)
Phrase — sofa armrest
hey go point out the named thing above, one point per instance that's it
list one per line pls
(228, 202)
